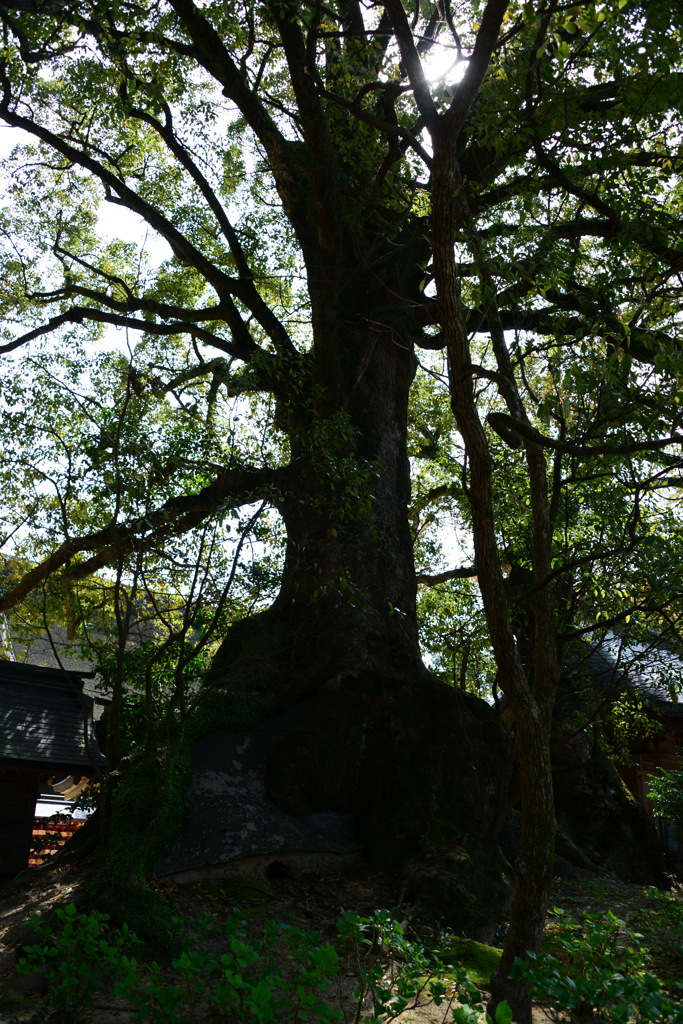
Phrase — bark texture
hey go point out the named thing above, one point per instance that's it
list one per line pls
(416, 761)
(529, 691)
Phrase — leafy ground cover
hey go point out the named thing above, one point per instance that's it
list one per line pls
(403, 968)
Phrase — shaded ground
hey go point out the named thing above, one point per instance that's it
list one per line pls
(307, 901)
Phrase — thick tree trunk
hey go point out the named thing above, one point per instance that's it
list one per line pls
(349, 581)
(416, 761)
(348, 594)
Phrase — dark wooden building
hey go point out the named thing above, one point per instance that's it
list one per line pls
(661, 750)
(47, 740)
(652, 677)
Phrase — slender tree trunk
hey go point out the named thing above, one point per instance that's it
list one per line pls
(530, 693)
(534, 866)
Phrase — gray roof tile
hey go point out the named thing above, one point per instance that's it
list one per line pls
(41, 719)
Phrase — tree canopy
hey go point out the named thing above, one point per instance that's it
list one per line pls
(204, 128)
(380, 244)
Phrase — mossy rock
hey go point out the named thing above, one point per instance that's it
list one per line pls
(479, 959)
(227, 711)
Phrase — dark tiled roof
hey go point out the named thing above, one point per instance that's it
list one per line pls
(41, 719)
(54, 649)
(654, 670)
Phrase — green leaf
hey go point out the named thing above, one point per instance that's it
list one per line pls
(503, 1013)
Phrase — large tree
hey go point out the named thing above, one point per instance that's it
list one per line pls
(331, 210)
